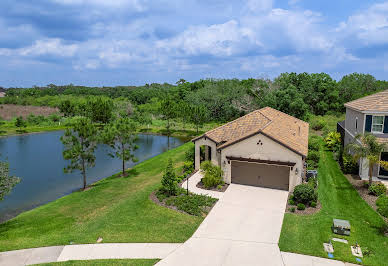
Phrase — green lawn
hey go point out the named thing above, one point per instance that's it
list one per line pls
(9, 129)
(124, 262)
(117, 209)
(305, 234)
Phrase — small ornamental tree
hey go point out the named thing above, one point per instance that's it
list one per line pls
(80, 143)
(20, 122)
(120, 136)
(169, 181)
(6, 182)
(366, 146)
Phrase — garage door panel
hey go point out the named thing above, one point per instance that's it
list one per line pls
(261, 175)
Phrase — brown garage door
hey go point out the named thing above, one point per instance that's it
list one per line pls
(260, 175)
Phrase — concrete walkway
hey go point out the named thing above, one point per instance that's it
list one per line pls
(243, 228)
(194, 180)
(87, 252)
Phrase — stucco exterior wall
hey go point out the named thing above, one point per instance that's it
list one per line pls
(350, 123)
(270, 150)
(213, 150)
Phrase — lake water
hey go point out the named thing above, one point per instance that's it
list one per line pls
(37, 160)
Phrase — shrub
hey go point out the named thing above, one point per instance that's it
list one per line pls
(318, 123)
(333, 141)
(206, 165)
(192, 204)
(382, 205)
(169, 180)
(301, 206)
(313, 182)
(349, 165)
(190, 154)
(213, 175)
(311, 165)
(384, 229)
(365, 184)
(291, 202)
(313, 156)
(377, 189)
(292, 209)
(313, 143)
(304, 193)
(313, 204)
(188, 167)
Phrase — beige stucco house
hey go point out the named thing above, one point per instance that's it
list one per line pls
(264, 148)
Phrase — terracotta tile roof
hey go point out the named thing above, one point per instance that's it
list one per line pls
(285, 129)
(374, 102)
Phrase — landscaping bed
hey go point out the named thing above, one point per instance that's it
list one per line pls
(220, 188)
(307, 211)
(363, 191)
(193, 204)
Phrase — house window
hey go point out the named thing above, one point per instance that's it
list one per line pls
(377, 124)
(356, 123)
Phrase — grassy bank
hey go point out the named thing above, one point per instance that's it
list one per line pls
(10, 130)
(123, 262)
(116, 209)
(306, 234)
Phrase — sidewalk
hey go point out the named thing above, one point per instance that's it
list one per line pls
(87, 252)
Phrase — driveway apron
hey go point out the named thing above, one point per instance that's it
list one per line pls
(242, 229)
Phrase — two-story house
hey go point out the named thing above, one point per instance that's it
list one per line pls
(367, 114)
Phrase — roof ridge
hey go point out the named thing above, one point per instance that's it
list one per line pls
(234, 121)
(293, 117)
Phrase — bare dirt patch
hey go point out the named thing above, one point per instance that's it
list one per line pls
(9, 111)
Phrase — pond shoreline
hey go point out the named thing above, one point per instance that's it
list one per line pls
(29, 154)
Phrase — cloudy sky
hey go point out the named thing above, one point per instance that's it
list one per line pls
(133, 42)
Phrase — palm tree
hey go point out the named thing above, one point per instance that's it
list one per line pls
(366, 146)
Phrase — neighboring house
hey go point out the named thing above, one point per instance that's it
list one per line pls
(2, 94)
(367, 115)
(264, 148)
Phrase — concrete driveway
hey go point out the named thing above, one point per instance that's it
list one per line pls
(242, 229)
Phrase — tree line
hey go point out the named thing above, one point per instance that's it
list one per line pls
(209, 100)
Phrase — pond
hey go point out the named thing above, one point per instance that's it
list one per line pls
(37, 160)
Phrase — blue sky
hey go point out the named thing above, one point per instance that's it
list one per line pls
(133, 42)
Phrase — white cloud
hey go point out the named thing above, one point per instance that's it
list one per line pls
(369, 26)
(218, 39)
(49, 47)
(43, 47)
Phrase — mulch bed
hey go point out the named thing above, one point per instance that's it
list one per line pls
(307, 211)
(223, 188)
(155, 199)
(358, 184)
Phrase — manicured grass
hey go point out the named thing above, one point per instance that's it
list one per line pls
(9, 129)
(124, 262)
(305, 234)
(117, 209)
